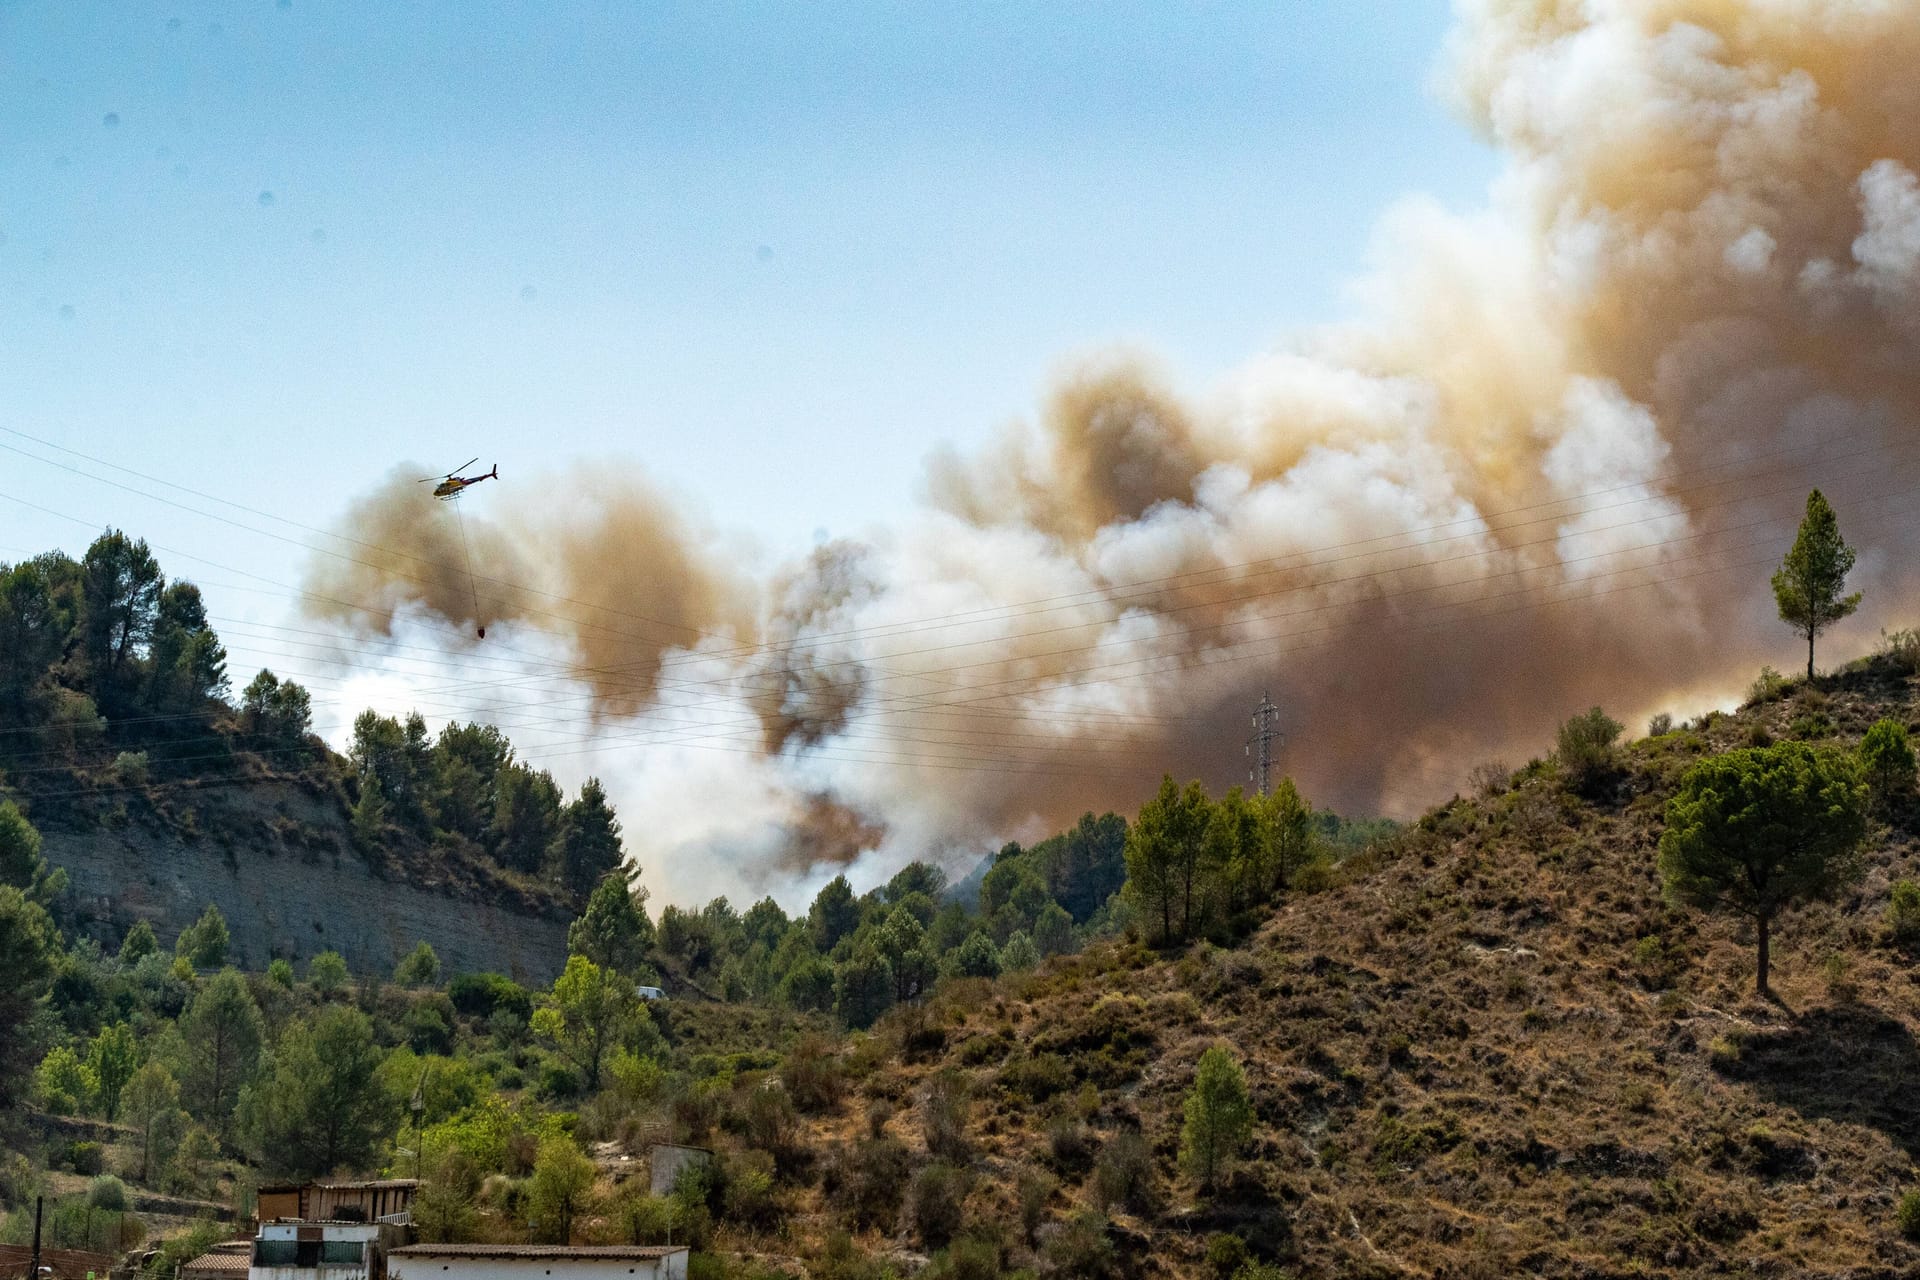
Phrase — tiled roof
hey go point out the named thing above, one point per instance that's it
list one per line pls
(609, 1252)
(219, 1262)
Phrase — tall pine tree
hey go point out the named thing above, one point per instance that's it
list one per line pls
(589, 839)
(1808, 584)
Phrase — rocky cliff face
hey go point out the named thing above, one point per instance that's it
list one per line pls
(282, 873)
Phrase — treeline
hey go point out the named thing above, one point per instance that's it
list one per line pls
(1190, 866)
(858, 955)
(464, 790)
(105, 637)
(112, 672)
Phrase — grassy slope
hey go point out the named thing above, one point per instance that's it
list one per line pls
(1465, 1062)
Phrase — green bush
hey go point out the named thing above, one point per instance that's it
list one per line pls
(1070, 1145)
(1036, 1078)
(1766, 687)
(481, 995)
(280, 974)
(1907, 1214)
(107, 1192)
(937, 1203)
(812, 1075)
(1081, 1250)
(1400, 1141)
(130, 768)
(1811, 727)
(970, 1259)
(1585, 748)
(1902, 648)
(1887, 753)
(1903, 911)
(1033, 1189)
(1226, 1255)
(1660, 726)
(749, 1199)
(840, 1260)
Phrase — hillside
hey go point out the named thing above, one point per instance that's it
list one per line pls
(1487, 1049)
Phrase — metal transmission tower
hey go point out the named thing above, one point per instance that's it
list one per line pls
(1266, 738)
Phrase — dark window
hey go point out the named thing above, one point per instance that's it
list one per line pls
(273, 1253)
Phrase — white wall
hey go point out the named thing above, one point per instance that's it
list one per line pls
(456, 1267)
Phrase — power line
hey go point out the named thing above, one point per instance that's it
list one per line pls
(1213, 655)
(1265, 737)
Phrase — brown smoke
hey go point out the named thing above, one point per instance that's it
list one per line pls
(809, 689)
(604, 563)
(822, 832)
(1549, 468)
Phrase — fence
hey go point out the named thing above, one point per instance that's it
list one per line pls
(65, 1264)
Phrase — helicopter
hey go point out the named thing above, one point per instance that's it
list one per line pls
(451, 486)
(453, 483)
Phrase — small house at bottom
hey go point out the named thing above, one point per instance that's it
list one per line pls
(537, 1262)
(300, 1250)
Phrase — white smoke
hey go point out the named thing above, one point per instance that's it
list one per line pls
(1546, 468)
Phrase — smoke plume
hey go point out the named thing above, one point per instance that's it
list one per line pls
(1550, 465)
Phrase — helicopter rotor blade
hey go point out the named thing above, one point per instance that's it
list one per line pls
(463, 466)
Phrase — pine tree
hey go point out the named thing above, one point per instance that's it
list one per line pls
(28, 945)
(835, 914)
(420, 967)
(1887, 753)
(151, 1104)
(114, 1057)
(614, 931)
(1219, 1116)
(221, 1035)
(1751, 831)
(21, 864)
(1808, 584)
(1171, 858)
(321, 1107)
(589, 839)
(204, 943)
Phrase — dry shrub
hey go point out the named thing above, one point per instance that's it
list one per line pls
(943, 1115)
(1124, 1174)
(866, 1181)
(812, 1075)
(937, 1204)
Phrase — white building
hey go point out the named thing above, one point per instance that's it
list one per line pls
(299, 1250)
(537, 1262)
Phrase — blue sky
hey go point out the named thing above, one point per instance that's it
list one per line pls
(772, 254)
